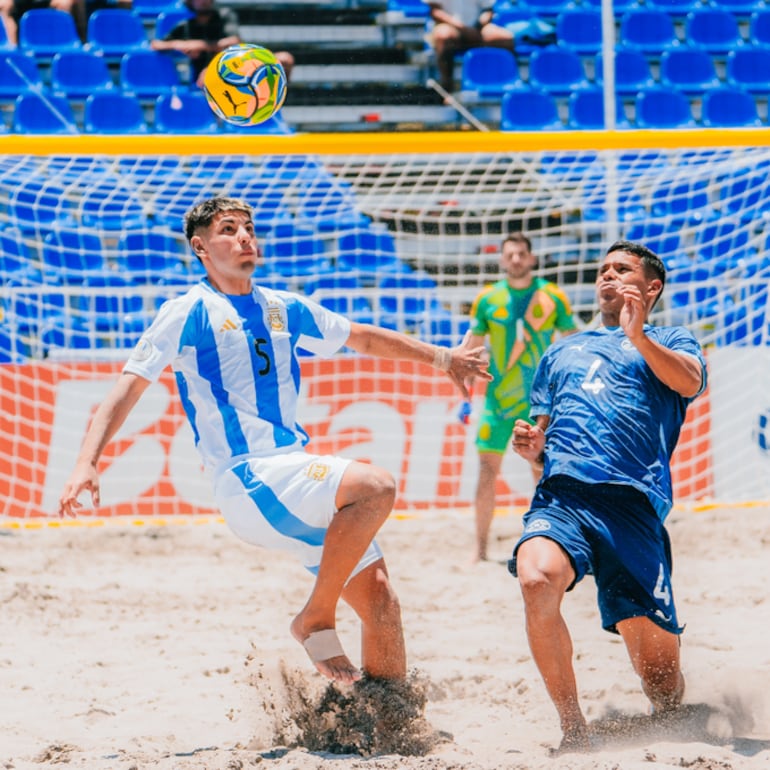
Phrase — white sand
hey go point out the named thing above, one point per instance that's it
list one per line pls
(129, 646)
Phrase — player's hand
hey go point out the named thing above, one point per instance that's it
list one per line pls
(632, 315)
(528, 440)
(84, 479)
(468, 363)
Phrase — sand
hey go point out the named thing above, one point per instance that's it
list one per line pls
(166, 645)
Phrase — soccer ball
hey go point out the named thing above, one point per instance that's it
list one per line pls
(245, 84)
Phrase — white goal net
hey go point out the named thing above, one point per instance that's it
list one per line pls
(396, 234)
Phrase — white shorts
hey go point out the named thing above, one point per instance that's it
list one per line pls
(285, 502)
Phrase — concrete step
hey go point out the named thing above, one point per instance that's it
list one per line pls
(286, 37)
(365, 117)
(354, 73)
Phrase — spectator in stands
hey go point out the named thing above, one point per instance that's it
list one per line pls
(458, 26)
(609, 404)
(519, 316)
(207, 32)
(235, 349)
(11, 12)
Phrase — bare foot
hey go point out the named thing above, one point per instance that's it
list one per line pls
(573, 741)
(325, 651)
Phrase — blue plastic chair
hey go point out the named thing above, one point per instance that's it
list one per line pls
(663, 108)
(114, 112)
(184, 112)
(690, 70)
(111, 205)
(556, 71)
(19, 73)
(13, 349)
(665, 241)
(78, 74)
(44, 32)
(28, 310)
(40, 113)
(113, 32)
(295, 251)
(632, 71)
(148, 74)
(729, 107)
(580, 30)
(74, 256)
(759, 27)
(748, 68)
(328, 205)
(38, 203)
(148, 256)
(167, 20)
(404, 300)
(151, 9)
(713, 29)
(586, 110)
(411, 9)
(676, 8)
(340, 293)
(742, 8)
(16, 265)
(682, 202)
(548, 9)
(489, 72)
(648, 30)
(746, 196)
(369, 253)
(175, 195)
(529, 110)
(720, 240)
(443, 328)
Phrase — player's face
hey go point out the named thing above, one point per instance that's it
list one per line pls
(229, 251)
(516, 260)
(618, 271)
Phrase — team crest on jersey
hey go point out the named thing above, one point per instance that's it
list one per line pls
(626, 344)
(538, 525)
(142, 351)
(275, 317)
(317, 471)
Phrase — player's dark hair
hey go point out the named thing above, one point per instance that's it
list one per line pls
(651, 262)
(518, 237)
(202, 214)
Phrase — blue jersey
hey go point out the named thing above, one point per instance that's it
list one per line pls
(611, 419)
(236, 365)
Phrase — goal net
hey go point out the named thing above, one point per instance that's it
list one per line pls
(401, 230)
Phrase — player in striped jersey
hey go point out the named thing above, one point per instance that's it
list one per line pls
(233, 348)
(609, 404)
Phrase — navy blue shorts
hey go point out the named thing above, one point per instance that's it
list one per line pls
(613, 533)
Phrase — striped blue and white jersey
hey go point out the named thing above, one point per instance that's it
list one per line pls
(236, 365)
(611, 420)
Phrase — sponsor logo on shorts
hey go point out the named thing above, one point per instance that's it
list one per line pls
(142, 351)
(538, 525)
(317, 471)
(662, 615)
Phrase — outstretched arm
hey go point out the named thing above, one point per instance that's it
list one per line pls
(460, 363)
(107, 419)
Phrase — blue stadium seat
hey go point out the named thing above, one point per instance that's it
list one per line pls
(115, 307)
(411, 9)
(675, 8)
(746, 196)
(44, 32)
(529, 109)
(341, 293)
(38, 203)
(663, 108)
(663, 239)
(632, 71)
(167, 20)
(443, 328)
(175, 195)
(74, 256)
(648, 30)
(729, 107)
(369, 254)
(19, 73)
(489, 72)
(114, 112)
(556, 70)
(148, 74)
(149, 256)
(61, 336)
(295, 251)
(404, 301)
(682, 202)
(13, 349)
(759, 27)
(113, 32)
(28, 309)
(586, 110)
(111, 205)
(548, 9)
(77, 74)
(619, 6)
(725, 242)
(43, 114)
(184, 112)
(748, 68)
(267, 200)
(689, 70)
(713, 29)
(16, 265)
(743, 8)
(580, 30)
(328, 205)
(151, 9)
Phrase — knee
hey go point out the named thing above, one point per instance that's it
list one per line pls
(444, 35)
(382, 488)
(542, 585)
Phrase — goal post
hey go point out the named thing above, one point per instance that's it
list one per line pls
(397, 229)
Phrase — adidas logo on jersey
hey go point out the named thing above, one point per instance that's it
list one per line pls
(228, 325)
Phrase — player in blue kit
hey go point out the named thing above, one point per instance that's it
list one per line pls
(233, 346)
(608, 406)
